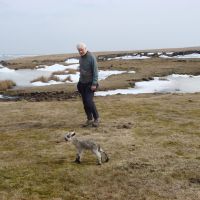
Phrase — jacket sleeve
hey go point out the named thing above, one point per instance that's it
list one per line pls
(94, 71)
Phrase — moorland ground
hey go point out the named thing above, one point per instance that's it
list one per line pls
(145, 69)
(153, 141)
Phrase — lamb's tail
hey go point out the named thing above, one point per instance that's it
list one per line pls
(105, 156)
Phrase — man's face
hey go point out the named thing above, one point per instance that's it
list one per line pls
(82, 51)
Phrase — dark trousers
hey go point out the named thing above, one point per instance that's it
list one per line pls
(87, 97)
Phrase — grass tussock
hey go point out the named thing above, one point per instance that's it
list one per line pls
(41, 79)
(65, 72)
(54, 78)
(71, 71)
(46, 79)
(60, 72)
(69, 79)
(7, 84)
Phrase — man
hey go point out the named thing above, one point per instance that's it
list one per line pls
(88, 83)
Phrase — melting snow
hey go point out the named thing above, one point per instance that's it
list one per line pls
(75, 77)
(72, 61)
(58, 67)
(193, 55)
(129, 57)
(39, 83)
(171, 84)
(5, 69)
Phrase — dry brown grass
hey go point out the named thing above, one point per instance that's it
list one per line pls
(152, 140)
(68, 79)
(46, 79)
(41, 79)
(7, 84)
(60, 72)
(64, 72)
(54, 78)
(72, 71)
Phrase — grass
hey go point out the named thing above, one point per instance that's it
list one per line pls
(72, 71)
(60, 72)
(52, 77)
(68, 79)
(46, 79)
(64, 72)
(145, 70)
(152, 140)
(41, 79)
(153, 149)
(7, 84)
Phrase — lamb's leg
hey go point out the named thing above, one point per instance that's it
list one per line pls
(98, 155)
(77, 160)
(106, 158)
(78, 156)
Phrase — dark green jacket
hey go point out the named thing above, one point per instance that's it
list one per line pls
(88, 69)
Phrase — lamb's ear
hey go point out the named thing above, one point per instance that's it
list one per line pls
(73, 133)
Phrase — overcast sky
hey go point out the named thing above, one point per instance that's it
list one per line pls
(56, 26)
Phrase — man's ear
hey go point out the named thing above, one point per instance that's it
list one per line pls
(73, 133)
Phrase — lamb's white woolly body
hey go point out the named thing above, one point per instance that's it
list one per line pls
(82, 145)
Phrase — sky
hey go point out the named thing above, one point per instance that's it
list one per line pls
(56, 26)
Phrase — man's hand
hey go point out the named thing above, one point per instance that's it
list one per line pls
(93, 87)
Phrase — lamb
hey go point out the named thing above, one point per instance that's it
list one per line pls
(82, 145)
